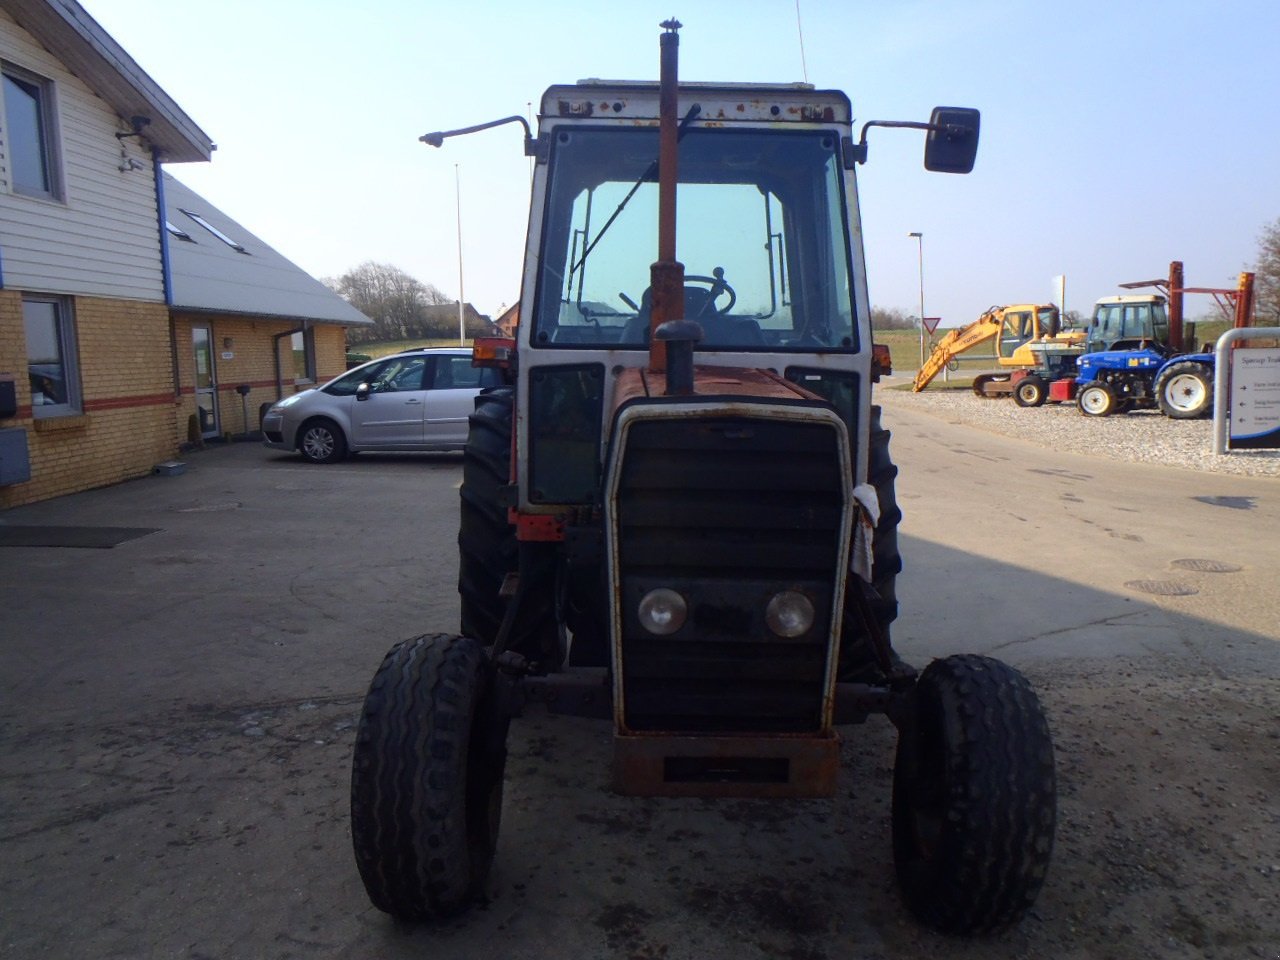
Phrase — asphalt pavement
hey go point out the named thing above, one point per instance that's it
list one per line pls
(177, 711)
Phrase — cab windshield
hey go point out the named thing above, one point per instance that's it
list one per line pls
(761, 231)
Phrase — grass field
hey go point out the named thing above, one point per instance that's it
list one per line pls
(381, 348)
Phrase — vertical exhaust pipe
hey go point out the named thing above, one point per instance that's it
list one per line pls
(1175, 306)
(666, 275)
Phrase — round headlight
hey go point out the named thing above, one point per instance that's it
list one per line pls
(789, 614)
(662, 611)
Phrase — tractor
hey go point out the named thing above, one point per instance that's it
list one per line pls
(678, 514)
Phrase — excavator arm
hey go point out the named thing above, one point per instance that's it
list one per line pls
(957, 342)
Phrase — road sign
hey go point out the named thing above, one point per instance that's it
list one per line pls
(1255, 399)
(931, 323)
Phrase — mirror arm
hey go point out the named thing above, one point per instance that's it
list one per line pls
(857, 152)
(531, 143)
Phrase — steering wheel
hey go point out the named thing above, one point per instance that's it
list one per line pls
(716, 288)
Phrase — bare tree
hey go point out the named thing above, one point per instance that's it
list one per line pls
(1266, 290)
(398, 303)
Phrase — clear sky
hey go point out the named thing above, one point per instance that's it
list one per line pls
(1116, 136)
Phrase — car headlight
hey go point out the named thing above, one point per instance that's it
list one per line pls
(662, 611)
(789, 614)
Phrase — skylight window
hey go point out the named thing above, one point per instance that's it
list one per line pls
(233, 244)
(180, 234)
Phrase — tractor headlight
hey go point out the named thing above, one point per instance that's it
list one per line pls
(662, 611)
(789, 614)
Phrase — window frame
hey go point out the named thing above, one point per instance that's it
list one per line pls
(308, 335)
(48, 136)
(485, 376)
(64, 320)
(199, 218)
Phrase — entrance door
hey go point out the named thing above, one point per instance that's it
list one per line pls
(206, 381)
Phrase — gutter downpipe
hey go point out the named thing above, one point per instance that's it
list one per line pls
(162, 216)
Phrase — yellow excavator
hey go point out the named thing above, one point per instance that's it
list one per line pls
(1028, 339)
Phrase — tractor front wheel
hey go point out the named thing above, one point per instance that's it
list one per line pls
(974, 796)
(1031, 391)
(1096, 399)
(426, 778)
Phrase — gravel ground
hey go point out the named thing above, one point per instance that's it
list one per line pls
(1143, 436)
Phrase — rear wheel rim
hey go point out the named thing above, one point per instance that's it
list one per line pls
(1185, 392)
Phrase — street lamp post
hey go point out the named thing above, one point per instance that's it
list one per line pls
(920, 251)
(462, 324)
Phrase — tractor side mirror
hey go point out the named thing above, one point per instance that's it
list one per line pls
(952, 142)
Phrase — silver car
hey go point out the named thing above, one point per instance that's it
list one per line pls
(414, 400)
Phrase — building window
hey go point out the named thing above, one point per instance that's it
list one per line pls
(180, 234)
(233, 244)
(51, 356)
(303, 349)
(30, 126)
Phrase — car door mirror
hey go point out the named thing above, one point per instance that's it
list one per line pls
(362, 392)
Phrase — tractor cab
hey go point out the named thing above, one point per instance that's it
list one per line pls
(1128, 323)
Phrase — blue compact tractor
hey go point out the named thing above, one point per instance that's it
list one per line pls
(1111, 381)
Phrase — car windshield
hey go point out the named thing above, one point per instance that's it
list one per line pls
(761, 230)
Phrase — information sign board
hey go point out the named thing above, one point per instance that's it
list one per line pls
(1255, 399)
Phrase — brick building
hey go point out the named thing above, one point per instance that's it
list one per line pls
(242, 316)
(99, 377)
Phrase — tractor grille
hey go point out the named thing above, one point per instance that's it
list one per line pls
(727, 511)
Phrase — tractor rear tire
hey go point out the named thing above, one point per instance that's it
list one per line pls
(426, 778)
(857, 658)
(1030, 391)
(1184, 391)
(974, 797)
(1096, 399)
(487, 545)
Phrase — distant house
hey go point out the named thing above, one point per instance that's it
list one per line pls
(507, 320)
(243, 316)
(444, 316)
(98, 379)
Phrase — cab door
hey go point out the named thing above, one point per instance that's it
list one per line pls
(1015, 331)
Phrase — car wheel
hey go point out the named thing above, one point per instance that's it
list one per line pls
(974, 796)
(320, 441)
(1096, 400)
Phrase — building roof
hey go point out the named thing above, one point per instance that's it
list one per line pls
(237, 272)
(75, 38)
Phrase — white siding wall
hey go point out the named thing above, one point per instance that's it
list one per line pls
(102, 239)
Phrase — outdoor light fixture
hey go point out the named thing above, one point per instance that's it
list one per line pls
(137, 124)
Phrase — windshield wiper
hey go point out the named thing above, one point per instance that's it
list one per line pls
(650, 174)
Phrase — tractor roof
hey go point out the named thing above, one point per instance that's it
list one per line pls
(720, 102)
(1133, 298)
